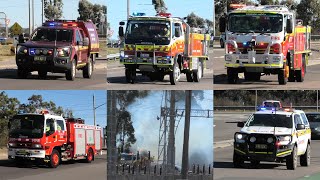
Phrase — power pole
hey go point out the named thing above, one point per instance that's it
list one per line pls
(171, 141)
(42, 8)
(32, 15)
(214, 19)
(128, 9)
(185, 152)
(30, 30)
(94, 111)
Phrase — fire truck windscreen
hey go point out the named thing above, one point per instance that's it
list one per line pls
(45, 34)
(271, 120)
(255, 23)
(153, 32)
(26, 126)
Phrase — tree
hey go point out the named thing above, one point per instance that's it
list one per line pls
(159, 6)
(53, 9)
(195, 21)
(94, 12)
(309, 12)
(8, 108)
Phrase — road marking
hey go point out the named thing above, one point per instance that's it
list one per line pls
(218, 57)
(223, 144)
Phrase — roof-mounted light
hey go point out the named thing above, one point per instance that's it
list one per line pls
(138, 14)
(162, 14)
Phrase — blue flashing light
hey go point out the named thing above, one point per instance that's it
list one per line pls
(32, 52)
(245, 43)
(51, 24)
(138, 14)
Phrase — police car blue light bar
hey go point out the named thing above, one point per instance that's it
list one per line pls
(138, 14)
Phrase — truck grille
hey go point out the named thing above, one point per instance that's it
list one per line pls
(261, 144)
(40, 51)
(259, 48)
(24, 145)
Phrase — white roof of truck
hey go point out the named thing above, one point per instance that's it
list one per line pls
(264, 8)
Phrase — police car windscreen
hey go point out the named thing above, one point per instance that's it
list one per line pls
(26, 126)
(60, 35)
(155, 32)
(313, 117)
(271, 120)
(255, 23)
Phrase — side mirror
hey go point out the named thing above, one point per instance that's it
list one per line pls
(300, 126)
(121, 23)
(240, 124)
(121, 31)
(289, 26)
(86, 41)
(222, 24)
(177, 33)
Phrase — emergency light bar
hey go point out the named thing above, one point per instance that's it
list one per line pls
(165, 14)
(138, 14)
(60, 24)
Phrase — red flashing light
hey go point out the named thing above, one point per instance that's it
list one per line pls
(165, 14)
(44, 112)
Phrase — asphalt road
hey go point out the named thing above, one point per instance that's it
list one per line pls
(56, 81)
(311, 81)
(116, 79)
(223, 167)
(77, 170)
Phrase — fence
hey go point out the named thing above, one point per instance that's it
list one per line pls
(221, 109)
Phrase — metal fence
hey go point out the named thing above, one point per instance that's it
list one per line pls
(221, 109)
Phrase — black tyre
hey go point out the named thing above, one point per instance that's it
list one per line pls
(291, 77)
(189, 77)
(221, 43)
(88, 69)
(90, 156)
(254, 163)
(252, 76)
(305, 158)
(237, 160)
(175, 74)
(71, 73)
(281, 77)
(130, 75)
(232, 76)
(54, 159)
(292, 159)
(301, 73)
(42, 74)
(22, 73)
(197, 74)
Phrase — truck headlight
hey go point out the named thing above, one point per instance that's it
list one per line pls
(270, 140)
(22, 49)
(10, 145)
(63, 52)
(38, 146)
(240, 138)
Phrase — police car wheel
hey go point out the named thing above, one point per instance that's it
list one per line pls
(189, 77)
(232, 76)
(42, 74)
(305, 158)
(291, 77)
(237, 160)
(292, 159)
(254, 163)
(22, 74)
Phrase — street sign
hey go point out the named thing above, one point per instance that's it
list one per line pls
(16, 29)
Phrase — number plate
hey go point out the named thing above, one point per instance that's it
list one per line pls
(261, 146)
(243, 56)
(22, 152)
(145, 55)
(39, 58)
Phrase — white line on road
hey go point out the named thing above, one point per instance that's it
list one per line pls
(223, 144)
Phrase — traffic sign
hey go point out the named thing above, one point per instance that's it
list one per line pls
(16, 29)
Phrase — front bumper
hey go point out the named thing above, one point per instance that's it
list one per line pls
(50, 64)
(268, 61)
(26, 153)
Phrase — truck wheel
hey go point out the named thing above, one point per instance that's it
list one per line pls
(54, 159)
(232, 76)
(281, 77)
(88, 69)
(71, 73)
(292, 77)
(90, 156)
(301, 73)
(22, 74)
(291, 160)
(42, 74)
(197, 74)
(305, 159)
(130, 75)
(237, 160)
(189, 77)
(161, 77)
(175, 74)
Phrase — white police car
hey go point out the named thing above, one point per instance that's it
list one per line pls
(274, 136)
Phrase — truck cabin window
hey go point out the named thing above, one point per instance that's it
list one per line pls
(26, 126)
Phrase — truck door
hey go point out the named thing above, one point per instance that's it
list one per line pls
(85, 49)
(79, 43)
(50, 135)
(61, 131)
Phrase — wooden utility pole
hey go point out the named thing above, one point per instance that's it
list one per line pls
(171, 141)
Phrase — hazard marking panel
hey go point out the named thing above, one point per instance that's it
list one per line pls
(80, 141)
(90, 137)
(97, 139)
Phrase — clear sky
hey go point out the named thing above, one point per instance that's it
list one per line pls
(81, 102)
(144, 114)
(17, 10)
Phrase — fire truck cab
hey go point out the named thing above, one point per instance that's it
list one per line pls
(162, 45)
(265, 40)
(50, 139)
(59, 46)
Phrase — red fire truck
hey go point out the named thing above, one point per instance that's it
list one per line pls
(264, 40)
(51, 139)
(60, 46)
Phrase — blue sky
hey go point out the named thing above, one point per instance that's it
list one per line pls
(144, 114)
(17, 10)
(79, 101)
